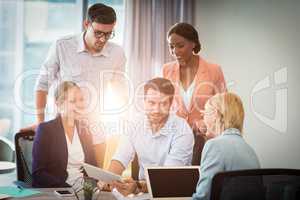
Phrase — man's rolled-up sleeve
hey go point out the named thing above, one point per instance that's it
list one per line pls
(125, 151)
(181, 151)
(49, 70)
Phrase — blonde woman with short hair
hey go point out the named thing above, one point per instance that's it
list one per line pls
(62, 145)
(226, 150)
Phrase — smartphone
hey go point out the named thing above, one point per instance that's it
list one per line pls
(64, 193)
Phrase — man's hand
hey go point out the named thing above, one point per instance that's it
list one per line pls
(29, 128)
(104, 186)
(126, 187)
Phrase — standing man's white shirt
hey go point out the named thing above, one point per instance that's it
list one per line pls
(172, 145)
(69, 60)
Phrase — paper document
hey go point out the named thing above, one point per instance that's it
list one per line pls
(119, 196)
(4, 196)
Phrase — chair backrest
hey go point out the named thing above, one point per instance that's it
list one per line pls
(258, 184)
(23, 145)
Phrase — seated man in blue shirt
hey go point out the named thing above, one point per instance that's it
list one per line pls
(159, 138)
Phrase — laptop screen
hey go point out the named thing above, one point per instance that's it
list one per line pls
(166, 182)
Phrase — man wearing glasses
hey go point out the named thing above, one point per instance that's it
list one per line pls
(82, 59)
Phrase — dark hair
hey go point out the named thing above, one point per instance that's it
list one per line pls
(188, 32)
(162, 85)
(101, 13)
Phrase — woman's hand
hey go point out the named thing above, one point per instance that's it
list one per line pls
(107, 187)
(200, 128)
(126, 187)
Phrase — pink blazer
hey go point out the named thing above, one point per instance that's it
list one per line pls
(209, 80)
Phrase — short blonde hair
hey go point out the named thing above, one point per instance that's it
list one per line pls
(230, 109)
(62, 90)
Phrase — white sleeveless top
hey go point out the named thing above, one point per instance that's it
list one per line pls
(75, 158)
(187, 95)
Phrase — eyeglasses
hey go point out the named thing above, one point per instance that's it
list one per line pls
(100, 34)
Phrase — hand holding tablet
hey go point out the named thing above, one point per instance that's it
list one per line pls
(100, 174)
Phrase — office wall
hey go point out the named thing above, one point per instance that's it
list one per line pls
(257, 44)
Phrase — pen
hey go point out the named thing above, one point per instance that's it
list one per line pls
(20, 188)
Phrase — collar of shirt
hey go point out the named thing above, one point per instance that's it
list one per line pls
(163, 131)
(231, 131)
(82, 48)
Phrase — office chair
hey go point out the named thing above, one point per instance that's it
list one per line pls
(197, 149)
(258, 184)
(23, 145)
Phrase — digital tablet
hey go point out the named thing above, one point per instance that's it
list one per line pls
(100, 174)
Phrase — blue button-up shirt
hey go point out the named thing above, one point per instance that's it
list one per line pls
(227, 152)
(172, 145)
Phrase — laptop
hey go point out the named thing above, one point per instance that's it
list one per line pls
(172, 183)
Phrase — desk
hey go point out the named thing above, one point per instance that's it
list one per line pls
(48, 194)
(8, 178)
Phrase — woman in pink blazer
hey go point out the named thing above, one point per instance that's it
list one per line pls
(195, 80)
